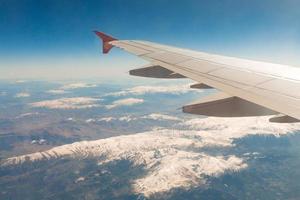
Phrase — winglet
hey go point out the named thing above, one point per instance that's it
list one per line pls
(105, 39)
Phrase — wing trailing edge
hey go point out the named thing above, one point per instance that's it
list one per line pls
(200, 86)
(155, 71)
(223, 105)
(283, 119)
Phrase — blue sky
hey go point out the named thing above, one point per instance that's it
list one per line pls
(54, 39)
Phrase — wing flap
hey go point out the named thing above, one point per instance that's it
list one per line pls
(223, 105)
(200, 86)
(155, 71)
(283, 119)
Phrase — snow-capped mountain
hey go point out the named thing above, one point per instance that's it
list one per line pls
(171, 158)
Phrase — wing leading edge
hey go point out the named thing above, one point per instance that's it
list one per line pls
(251, 88)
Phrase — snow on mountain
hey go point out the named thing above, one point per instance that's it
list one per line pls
(171, 157)
(166, 155)
(233, 128)
(57, 91)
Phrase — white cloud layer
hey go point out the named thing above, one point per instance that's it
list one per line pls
(68, 103)
(72, 86)
(22, 94)
(159, 116)
(141, 90)
(58, 91)
(27, 115)
(21, 81)
(125, 102)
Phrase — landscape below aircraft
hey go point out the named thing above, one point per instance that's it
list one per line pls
(246, 88)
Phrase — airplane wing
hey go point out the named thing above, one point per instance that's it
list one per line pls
(247, 88)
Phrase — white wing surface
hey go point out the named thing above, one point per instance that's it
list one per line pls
(268, 88)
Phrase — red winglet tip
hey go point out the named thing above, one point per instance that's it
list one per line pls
(105, 39)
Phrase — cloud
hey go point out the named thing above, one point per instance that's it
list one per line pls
(125, 102)
(90, 120)
(141, 90)
(27, 114)
(3, 93)
(126, 118)
(58, 91)
(70, 119)
(22, 94)
(68, 103)
(21, 81)
(158, 116)
(72, 86)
